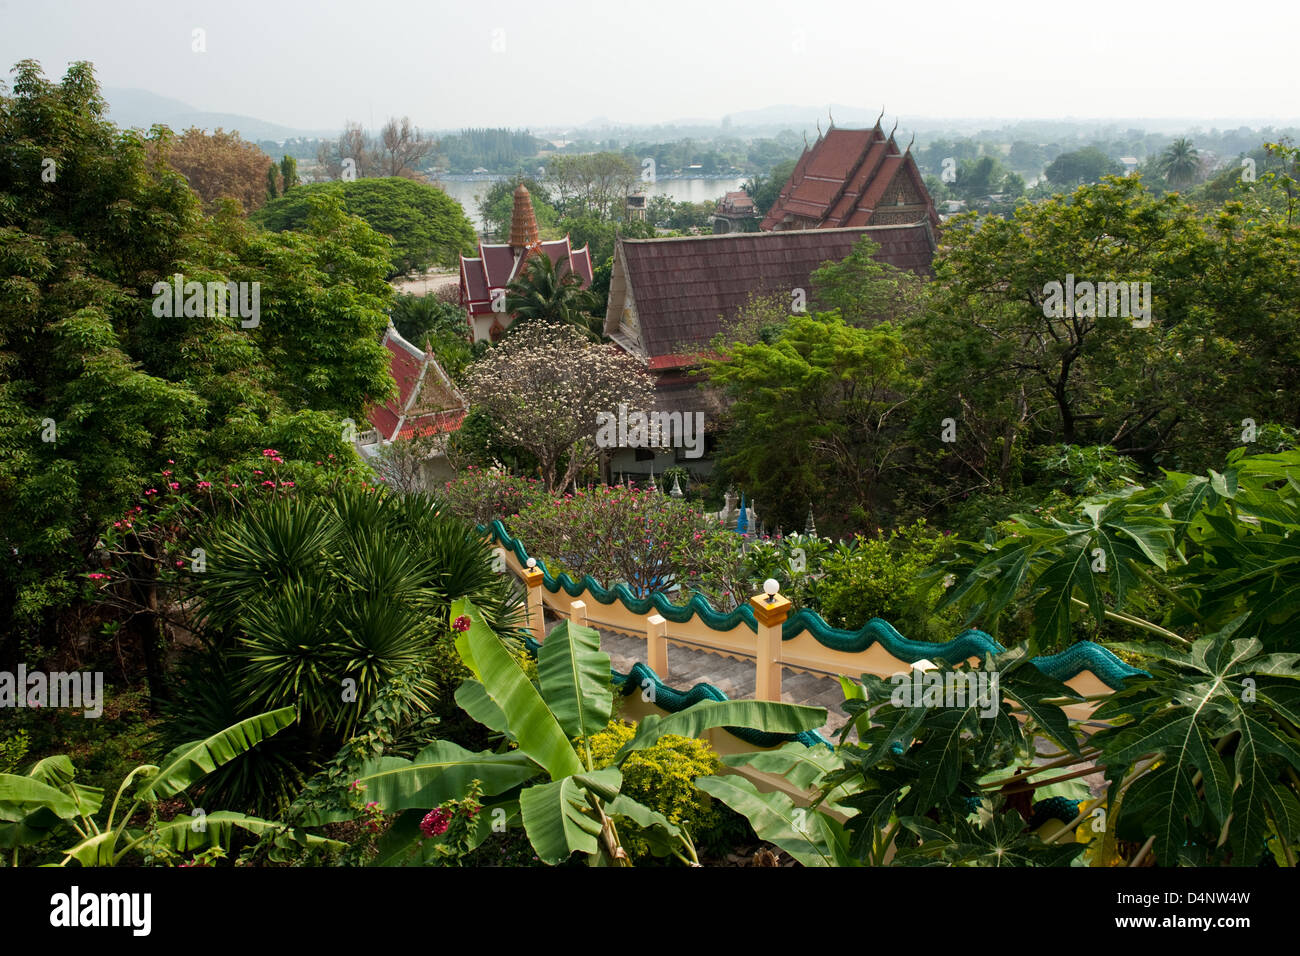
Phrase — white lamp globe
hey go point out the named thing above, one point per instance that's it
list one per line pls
(770, 587)
(532, 563)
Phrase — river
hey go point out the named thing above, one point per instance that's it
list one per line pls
(467, 189)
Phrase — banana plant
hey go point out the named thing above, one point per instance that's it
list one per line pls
(47, 799)
(566, 805)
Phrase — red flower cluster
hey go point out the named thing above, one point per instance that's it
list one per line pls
(460, 624)
(435, 822)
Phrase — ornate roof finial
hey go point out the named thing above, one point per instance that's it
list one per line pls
(881, 116)
(891, 132)
(805, 141)
(819, 128)
(830, 117)
(910, 142)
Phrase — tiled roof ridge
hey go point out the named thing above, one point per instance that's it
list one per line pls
(786, 234)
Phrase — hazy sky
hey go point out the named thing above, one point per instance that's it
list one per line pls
(538, 63)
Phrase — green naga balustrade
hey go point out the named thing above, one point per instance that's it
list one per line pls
(971, 643)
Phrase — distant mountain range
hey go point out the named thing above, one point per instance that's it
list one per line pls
(141, 108)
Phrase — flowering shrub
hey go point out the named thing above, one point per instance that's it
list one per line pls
(649, 541)
(481, 495)
(544, 387)
(662, 777)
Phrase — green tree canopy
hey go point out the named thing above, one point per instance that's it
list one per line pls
(817, 415)
(426, 225)
(99, 390)
(1085, 165)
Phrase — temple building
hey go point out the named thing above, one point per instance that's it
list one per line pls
(427, 404)
(735, 213)
(483, 279)
(669, 297)
(852, 177)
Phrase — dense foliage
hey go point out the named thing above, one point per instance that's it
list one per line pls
(427, 227)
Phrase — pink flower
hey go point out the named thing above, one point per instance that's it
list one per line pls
(233, 485)
(460, 624)
(205, 484)
(286, 484)
(151, 491)
(172, 485)
(268, 483)
(167, 474)
(96, 576)
(435, 822)
(180, 564)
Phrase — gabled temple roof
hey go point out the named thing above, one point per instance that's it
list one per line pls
(842, 180)
(496, 265)
(427, 402)
(675, 290)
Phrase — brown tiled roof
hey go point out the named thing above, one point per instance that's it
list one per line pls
(683, 285)
(840, 180)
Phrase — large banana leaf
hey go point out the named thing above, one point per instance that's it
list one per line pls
(539, 734)
(440, 772)
(558, 817)
(193, 761)
(574, 675)
(803, 767)
(762, 715)
(474, 700)
(656, 829)
(20, 796)
(182, 834)
(812, 838)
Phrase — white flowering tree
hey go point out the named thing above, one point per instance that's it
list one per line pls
(545, 386)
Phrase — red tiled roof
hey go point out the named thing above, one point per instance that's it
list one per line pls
(682, 286)
(840, 180)
(496, 265)
(415, 395)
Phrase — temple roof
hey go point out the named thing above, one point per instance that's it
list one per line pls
(427, 401)
(676, 290)
(496, 265)
(842, 179)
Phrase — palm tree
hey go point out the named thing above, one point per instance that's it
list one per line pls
(1180, 163)
(551, 293)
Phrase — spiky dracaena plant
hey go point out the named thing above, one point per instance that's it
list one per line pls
(319, 603)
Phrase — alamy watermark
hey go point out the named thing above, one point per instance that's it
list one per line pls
(195, 299)
(82, 690)
(930, 687)
(1091, 300)
(639, 429)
